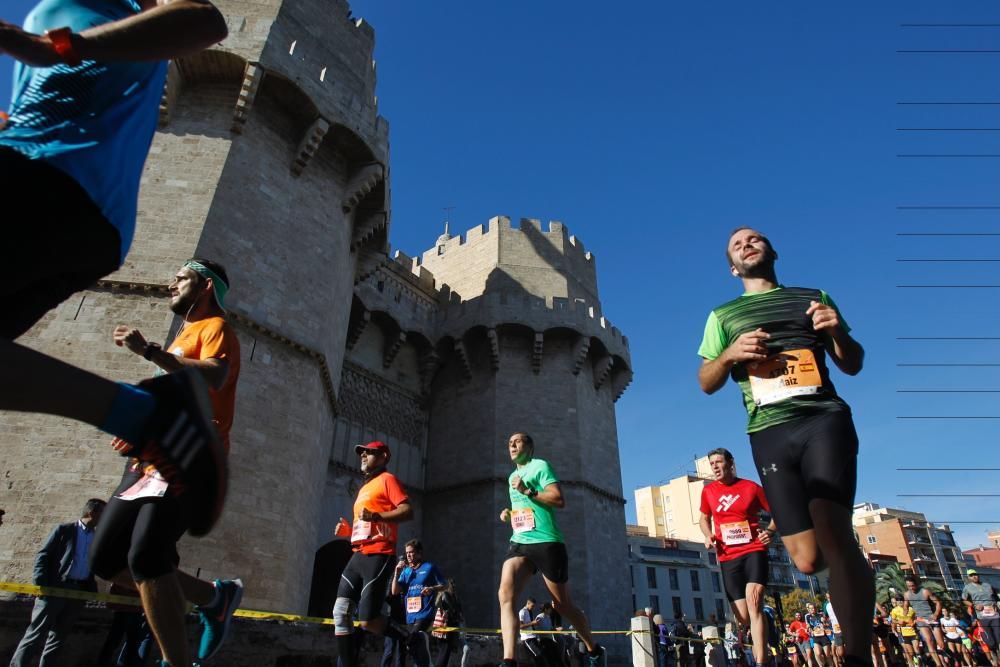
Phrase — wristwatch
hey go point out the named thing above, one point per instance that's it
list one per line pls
(62, 42)
(147, 354)
(531, 493)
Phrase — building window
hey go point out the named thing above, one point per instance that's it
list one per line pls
(716, 583)
(720, 610)
(871, 539)
(654, 603)
(712, 560)
(695, 582)
(651, 577)
(699, 610)
(673, 579)
(678, 612)
(631, 575)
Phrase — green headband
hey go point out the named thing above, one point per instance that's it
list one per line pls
(219, 285)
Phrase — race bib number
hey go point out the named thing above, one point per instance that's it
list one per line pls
(736, 533)
(362, 531)
(989, 610)
(818, 631)
(783, 375)
(522, 520)
(150, 485)
(836, 628)
(414, 604)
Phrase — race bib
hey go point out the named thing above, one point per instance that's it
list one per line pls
(522, 520)
(836, 628)
(818, 631)
(362, 531)
(783, 375)
(989, 610)
(150, 485)
(414, 604)
(736, 533)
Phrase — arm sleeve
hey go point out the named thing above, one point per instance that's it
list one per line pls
(713, 342)
(44, 559)
(395, 491)
(828, 300)
(762, 499)
(214, 341)
(546, 476)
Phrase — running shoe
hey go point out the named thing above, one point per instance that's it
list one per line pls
(599, 659)
(215, 620)
(183, 444)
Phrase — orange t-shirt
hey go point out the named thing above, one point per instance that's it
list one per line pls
(382, 493)
(213, 338)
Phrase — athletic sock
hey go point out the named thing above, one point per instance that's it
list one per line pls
(129, 413)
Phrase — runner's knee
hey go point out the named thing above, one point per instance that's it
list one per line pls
(343, 616)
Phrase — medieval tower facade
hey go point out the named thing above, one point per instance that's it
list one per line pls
(272, 159)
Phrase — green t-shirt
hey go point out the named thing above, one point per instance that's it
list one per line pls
(798, 355)
(532, 521)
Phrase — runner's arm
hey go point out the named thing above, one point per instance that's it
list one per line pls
(552, 496)
(713, 373)
(705, 523)
(403, 512)
(846, 352)
(937, 605)
(171, 29)
(397, 588)
(213, 370)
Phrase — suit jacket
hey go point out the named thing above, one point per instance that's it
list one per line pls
(55, 558)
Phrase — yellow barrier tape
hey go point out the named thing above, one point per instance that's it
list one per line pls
(30, 589)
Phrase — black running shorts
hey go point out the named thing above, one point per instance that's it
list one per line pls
(809, 458)
(365, 580)
(56, 241)
(139, 535)
(548, 557)
(749, 568)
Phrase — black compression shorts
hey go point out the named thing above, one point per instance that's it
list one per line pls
(139, 535)
(549, 557)
(365, 580)
(56, 241)
(749, 568)
(810, 458)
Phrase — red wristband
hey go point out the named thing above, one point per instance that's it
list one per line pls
(62, 43)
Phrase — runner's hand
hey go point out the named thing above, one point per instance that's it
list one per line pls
(764, 536)
(824, 317)
(710, 542)
(368, 515)
(518, 484)
(504, 515)
(751, 346)
(400, 566)
(130, 338)
(28, 48)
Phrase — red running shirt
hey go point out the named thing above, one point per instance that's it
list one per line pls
(735, 512)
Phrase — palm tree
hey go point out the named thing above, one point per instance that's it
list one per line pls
(890, 581)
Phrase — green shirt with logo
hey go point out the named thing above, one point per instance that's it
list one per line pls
(532, 521)
(781, 312)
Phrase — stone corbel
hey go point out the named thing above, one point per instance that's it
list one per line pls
(536, 352)
(361, 183)
(365, 226)
(580, 350)
(309, 145)
(358, 328)
(463, 358)
(392, 349)
(253, 74)
(602, 369)
(494, 348)
(620, 382)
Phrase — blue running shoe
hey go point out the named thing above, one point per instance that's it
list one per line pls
(215, 619)
(598, 659)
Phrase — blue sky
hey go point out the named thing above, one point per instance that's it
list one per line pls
(651, 129)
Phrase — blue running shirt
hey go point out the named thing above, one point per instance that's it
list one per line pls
(94, 121)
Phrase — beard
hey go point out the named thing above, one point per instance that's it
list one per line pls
(182, 304)
(761, 266)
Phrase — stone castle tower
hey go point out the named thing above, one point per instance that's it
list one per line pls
(273, 160)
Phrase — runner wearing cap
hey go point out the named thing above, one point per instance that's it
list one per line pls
(730, 522)
(147, 515)
(774, 341)
(537, 544)
(981, 603)
(382, 503)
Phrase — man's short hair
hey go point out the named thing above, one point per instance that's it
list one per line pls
(92, 505)
(528, 440)
(214, 267)
(531, 600)
(911, 577)
(723, 452)
(767, 242)
(416, 545)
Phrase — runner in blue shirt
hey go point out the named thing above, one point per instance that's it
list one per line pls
(419, 582)
(88, 79)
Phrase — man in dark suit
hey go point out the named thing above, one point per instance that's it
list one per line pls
(61, 563)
